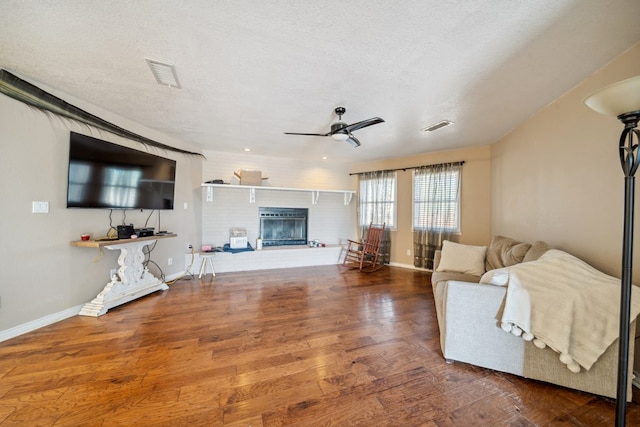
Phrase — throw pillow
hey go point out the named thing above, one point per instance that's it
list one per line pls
(536, 251)
(505, 252)
(460, 258)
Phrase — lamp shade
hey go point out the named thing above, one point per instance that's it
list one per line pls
(617, 98)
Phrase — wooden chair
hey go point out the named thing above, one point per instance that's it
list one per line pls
(364, 255)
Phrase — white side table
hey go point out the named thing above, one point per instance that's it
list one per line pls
(207, 257)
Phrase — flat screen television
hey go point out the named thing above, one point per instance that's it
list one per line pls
(111, 176)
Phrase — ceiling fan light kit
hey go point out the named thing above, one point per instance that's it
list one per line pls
(341, 131)
(339, 136)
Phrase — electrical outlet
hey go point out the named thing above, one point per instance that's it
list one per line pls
(40, 207)
(409, 252)
(189, 246)
(169, 261)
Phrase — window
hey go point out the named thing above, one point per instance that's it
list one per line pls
(377, 198)
(436, 198)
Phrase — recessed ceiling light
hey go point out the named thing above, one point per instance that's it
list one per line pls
(246, 149)
(324, 157)
(436, 126)
(164, 73)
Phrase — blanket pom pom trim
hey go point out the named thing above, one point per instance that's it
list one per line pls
(539, 343)
(571, 364)
(528, 336)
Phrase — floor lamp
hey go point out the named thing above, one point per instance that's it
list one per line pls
(622, 100)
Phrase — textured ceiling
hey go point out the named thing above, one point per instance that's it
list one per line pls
(252, 70)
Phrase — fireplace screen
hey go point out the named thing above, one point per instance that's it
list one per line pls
(283, 226)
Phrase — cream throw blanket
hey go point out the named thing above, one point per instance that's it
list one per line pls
(562, 302)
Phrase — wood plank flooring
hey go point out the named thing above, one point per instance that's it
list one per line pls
(321, 346)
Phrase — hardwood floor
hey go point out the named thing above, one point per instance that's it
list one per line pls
(306, 346)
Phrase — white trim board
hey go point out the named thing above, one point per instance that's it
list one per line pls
(39, 323)
(50, 319)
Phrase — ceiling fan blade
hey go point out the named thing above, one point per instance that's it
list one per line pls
(364, 123)
(353, 141)
(307, 134)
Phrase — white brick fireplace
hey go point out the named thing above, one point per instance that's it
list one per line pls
(330, 220)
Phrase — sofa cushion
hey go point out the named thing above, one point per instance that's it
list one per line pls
(504, 252)
(444, 276)
(536, 251)
(459, 258)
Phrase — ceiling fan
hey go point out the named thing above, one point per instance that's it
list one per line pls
(340, 131)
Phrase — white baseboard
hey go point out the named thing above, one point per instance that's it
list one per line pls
(400, 265)
(409, 266)
(176, 276)
(39, 323)
(56, 317)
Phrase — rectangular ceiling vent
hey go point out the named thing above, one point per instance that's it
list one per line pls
(164, 73)
(437, 126)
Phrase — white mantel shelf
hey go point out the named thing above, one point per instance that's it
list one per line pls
(315, 193)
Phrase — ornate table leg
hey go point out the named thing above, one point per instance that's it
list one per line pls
(132, 281)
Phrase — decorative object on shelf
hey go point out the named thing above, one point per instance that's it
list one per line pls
(622, 99)
(247, 177)
(238, 238)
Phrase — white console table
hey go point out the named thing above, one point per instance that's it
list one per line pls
(133, 279)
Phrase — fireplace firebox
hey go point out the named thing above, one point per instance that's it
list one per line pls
(283, 226)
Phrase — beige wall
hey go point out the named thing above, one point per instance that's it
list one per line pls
(42, 275)
(557, 177)
(475, 215)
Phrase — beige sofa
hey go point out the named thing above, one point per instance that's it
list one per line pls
(469, 330)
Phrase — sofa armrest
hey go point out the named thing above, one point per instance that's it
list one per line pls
(470, 331)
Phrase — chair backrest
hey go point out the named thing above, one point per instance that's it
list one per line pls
(373, 239)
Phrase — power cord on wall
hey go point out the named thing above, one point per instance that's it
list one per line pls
(112, 233)
(187, 272)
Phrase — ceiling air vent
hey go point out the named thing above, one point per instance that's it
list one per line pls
(437, 126)
(164, 73)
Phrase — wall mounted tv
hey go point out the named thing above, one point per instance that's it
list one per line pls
(110, 176)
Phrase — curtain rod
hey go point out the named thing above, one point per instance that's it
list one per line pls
(410, 167)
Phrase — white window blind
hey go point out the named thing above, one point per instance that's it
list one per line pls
(436, 199)
(377, 199)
